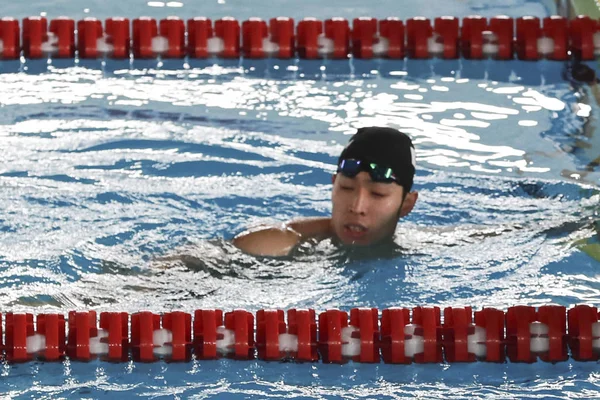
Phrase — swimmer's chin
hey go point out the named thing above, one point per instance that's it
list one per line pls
(361, 243)
(355, 243)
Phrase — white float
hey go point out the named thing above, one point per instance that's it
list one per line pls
(596, 336)
(159, 45)
(596, 39)
(540, 342)
(325, 44)
(35, 343)
(215, 45)
(162, 340)
(103, 47)
(225, 340)
(97, 345)
(545, 46)
(50, 46)
(435, 45)
(490, 44)
(476, 342)
(288, 343)
(350, 345)
(269, 48)
(381, 46)
(415, 344)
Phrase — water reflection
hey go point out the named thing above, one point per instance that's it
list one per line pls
(449, 133)
(121, 189)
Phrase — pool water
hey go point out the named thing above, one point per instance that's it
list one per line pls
(121, 186)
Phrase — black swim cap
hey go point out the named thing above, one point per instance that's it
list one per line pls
(387, 147)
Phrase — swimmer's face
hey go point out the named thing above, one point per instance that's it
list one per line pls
(366, 212)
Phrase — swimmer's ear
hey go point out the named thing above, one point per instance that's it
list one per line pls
(409, 203)
(333, 178)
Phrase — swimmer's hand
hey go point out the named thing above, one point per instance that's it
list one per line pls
(268, 241)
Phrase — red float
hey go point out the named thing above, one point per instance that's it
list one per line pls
(418, 32)
(117, 326)
(393, 321)
(35, 33)
(143, 325)
(503, 28)
(199, 32)
(528, 34)
(331, 323)
(364, 36)
(429, 320)
(367, 322)
(269, 325)
(254, 31)
(118, 37)
(302, 324)
(581, 31)
(18, 328)
(556, 28)
(581, 336)
(392, 30)
(337, 30)
(52, 327)
(457, 327)
(446, 29)
(82, 327)
(281, 30)
(555, 317)
(206, 323)
(89, 31)
(9, 36)
(228, 30)
(492, 321)
(308, 32)
(518, 335)
(144, 31)
(173, 29)
(63, 37)
(180, 325)
(241, 322)
(472, 37)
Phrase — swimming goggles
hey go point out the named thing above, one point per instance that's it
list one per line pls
(351, 167)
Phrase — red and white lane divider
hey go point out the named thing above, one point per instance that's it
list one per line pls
(366, 335)
(473, 37)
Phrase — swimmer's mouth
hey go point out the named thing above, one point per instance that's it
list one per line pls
(355, 230)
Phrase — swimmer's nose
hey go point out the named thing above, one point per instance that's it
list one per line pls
(360, 201)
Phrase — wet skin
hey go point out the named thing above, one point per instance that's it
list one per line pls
(363, 213)
(366, 212)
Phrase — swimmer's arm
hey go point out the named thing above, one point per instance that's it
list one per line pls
(277, 241)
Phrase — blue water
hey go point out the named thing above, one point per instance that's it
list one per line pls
(121, 186)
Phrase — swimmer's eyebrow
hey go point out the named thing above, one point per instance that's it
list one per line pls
(385, 187)
(371, 183)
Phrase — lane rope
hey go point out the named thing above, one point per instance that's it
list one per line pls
(394, 335)
(473, 37)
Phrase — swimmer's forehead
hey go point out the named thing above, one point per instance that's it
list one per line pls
(364, 178)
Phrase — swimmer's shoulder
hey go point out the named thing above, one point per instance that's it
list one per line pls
(280, 240)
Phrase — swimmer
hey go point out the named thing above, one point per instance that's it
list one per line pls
(371, 192)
